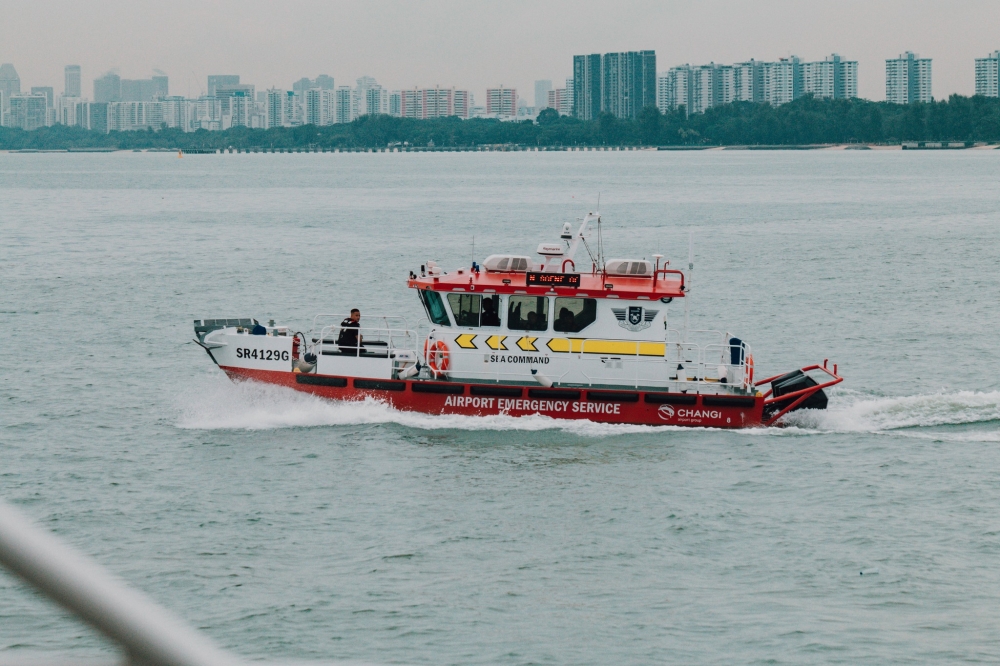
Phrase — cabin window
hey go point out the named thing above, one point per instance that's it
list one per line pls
(435, 307)
(528, 313)
(574, 314)
(475, 310)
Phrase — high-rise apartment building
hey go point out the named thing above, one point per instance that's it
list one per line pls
(501, 102)
(69, 111)
(273, 108)
(833, 78)
(323, 82)
(175, 113)
(463, 103)
(345, 104)
(695, 88)
(28, 112)
(439, 102)
(748, 81)
(206, 113)
(908, 79)
(131, 116)
(95, 116)
(628, 82)
(47, 91)
(567, 110)
(673, 90)
(240, 112)
(226, 92)
(558, 100)
(618, 83)
(542, 89)
(376, 100)
(587, 86)
(160, 84)
(666, 97)
(987, 70)
(145, 90)
(436, 102)
(320, 106)
(10, 85)
(724, 84)
(215, 80)
(698, 88)
(411, 103)
(108, 88)
(72, 87)
(361, 97)
(782, 81)
(702, 93)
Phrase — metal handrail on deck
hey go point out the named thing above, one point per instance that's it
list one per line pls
(384, 319)
(389, 336)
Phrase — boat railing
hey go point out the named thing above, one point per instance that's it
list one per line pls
(384, 331)
(372, 321)
(709, 358)
(374, 339)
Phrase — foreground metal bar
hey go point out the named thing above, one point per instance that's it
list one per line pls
(149, 634)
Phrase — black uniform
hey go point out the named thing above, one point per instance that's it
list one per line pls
(348, 338)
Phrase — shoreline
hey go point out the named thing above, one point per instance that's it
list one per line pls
(908, 145)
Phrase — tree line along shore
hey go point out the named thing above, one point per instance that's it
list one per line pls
(806, 121)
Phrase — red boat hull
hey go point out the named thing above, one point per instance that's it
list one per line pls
(604, 406)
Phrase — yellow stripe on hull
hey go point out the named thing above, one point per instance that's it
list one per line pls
(616, 347)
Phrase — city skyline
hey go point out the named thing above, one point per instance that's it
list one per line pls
(621, 84)
(488, 46)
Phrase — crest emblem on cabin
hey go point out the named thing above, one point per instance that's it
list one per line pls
(634, 318)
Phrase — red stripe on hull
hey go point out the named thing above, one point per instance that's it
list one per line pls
(602, 406)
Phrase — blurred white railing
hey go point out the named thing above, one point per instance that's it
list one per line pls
(148, 634)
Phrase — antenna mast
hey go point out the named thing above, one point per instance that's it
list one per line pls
(687, 288)
(600, 241)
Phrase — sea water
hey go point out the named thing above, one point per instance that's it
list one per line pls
(288, 527)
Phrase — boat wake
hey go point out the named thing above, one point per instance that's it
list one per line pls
(909, 416)
(226, 405)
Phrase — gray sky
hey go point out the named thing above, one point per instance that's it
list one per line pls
(475, 44)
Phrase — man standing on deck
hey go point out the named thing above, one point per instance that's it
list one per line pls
(350, 339)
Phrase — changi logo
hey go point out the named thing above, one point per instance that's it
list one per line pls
(666, 412)
(634, 318)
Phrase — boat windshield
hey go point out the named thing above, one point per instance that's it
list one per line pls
(434, 307)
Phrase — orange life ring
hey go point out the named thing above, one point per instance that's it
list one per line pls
(437, 356)
(750, 370)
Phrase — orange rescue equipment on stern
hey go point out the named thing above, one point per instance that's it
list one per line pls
(437, 356)
(750, 371)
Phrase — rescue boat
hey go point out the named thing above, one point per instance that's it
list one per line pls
(521, 335)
